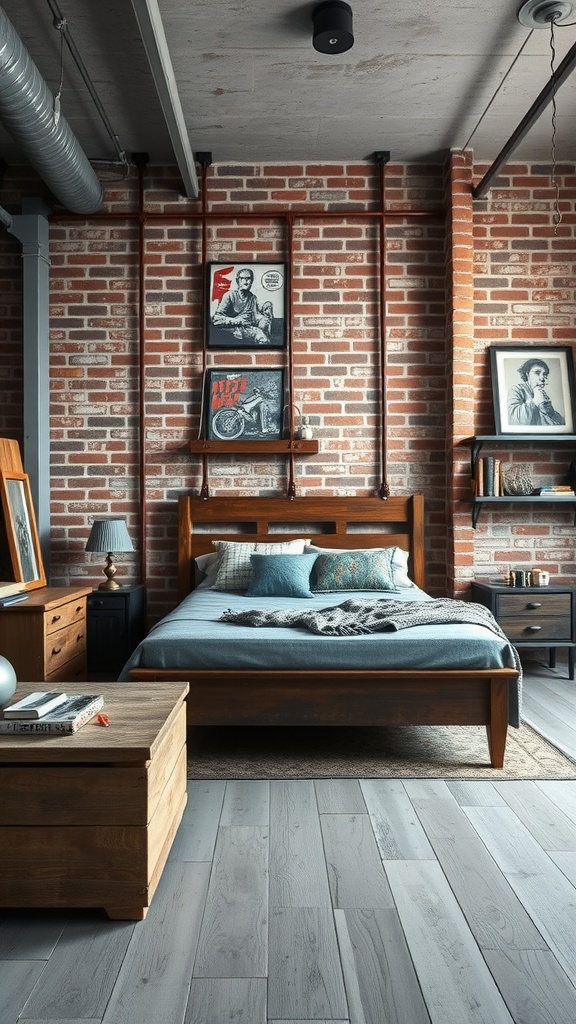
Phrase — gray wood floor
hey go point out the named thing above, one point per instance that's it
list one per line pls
(369, 902)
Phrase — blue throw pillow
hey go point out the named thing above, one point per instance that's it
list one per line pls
(355, 570)
(281, 575)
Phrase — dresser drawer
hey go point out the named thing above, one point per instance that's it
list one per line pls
(535, 617)
(57, 618)
(64, 645)
(72, 672)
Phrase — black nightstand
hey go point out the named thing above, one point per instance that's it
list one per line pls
(116, 623)
(533, 616)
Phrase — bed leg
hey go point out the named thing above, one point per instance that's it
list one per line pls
(497, 729)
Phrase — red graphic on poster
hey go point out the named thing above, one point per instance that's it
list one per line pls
(227, 392)
(221, 283)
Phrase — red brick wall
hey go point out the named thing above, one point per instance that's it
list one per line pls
(524, 293)
(435, 395)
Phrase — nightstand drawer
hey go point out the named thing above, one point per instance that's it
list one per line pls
(533, 605)
(539, 628)
(64, 645)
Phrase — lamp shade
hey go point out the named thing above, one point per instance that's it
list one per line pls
(109, 535)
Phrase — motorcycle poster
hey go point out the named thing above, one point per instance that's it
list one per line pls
(244, 404)
(246, 305)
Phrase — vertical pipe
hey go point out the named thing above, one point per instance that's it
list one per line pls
(141, 160)
(383, 490)
(205, 160)
(291, 491)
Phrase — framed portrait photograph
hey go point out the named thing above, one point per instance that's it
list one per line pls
(246, 305)
(533, 389)
(244, 404)
(21, 531)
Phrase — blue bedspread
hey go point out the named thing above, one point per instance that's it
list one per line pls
(192, 637)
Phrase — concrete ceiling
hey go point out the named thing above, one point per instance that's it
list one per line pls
(421, 79)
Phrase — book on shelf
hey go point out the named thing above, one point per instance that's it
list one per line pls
(35, 705)
(488, 477)
(76, 710)
(558, 490)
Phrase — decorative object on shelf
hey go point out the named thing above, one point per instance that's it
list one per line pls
(245, 404)
(517, 481)
(246, 305)
(21, 530)
(109, 535)
(8, 681)
(533, 389)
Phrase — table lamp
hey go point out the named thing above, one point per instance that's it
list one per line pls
(109, 535)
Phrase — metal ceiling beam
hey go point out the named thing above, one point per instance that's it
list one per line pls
(539, 105)
(152, 31)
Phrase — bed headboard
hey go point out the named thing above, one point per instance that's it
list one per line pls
(336, 522)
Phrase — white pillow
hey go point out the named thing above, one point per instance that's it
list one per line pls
(399, 560)
(234, 569)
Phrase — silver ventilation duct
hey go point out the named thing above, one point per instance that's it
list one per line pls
(27, 113)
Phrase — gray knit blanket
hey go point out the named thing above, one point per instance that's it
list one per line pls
(357, 616)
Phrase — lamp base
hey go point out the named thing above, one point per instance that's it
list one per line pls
(109, 585)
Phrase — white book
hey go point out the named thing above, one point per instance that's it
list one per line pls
(70, 716)
(35, 705)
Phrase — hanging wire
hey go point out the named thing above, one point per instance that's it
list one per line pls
(557, 216)
(60, 25)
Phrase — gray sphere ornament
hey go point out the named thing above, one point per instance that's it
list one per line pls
(8, 681)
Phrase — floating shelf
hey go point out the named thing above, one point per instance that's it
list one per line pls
(285, 446)
(513, 499)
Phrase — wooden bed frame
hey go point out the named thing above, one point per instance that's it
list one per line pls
(329, 697)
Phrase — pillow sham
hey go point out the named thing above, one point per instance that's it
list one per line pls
(354, 570)
(234, 567)
(399, 560)
(281, 575)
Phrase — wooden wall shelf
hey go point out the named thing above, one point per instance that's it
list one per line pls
(283, 447)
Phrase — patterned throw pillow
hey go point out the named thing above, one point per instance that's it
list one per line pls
(234, 567)
(399, 560)
(354, 570)
(281, 575)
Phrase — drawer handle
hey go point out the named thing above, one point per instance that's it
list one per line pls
(534, 604)
(79, 608)
(533, 629)
(56, 618)
(79, 637)
(96, 604)
(56, 650)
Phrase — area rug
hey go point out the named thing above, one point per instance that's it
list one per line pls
(410, 752)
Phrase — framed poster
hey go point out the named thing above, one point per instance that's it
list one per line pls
(246, 305)
(244, 404)
(533, 389)
(21, 530)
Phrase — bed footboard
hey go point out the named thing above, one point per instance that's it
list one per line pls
(355, 698)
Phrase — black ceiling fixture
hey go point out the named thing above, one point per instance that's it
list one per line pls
(332, 22)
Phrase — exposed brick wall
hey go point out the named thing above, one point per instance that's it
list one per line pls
(524, 293)
(432, 394)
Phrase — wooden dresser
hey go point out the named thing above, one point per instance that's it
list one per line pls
(44, 637)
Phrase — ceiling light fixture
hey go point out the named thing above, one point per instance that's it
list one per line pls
(539, 13)
(332, 22)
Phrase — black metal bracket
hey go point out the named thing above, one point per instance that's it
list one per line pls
(204, 158)
(382, 156)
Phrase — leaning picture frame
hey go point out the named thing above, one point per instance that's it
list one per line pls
(246, 305)
(533, 389)
(21, 530)
(244, 404)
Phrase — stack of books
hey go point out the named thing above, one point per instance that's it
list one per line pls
(11, 593)
(50, 712)
(557, 491)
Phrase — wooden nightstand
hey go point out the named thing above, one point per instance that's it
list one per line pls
(533, 616)
(116, 625)
(44, 637)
